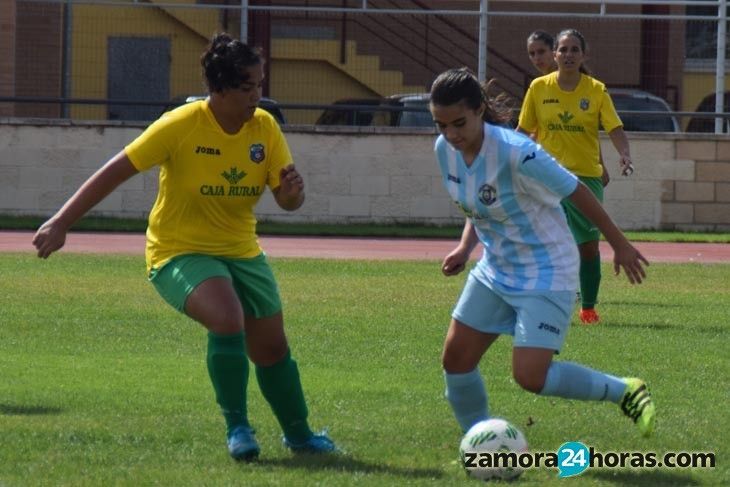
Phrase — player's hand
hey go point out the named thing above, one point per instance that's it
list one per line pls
(626, 165)
(289, 195)
(455, 262)
(50, 237)
(605, 177)
(629, 259)
(291, 182)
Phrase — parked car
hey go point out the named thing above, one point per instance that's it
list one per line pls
(412, 118)
(406, 110)
(268, 104)
(365, 112)
(707, 124)
(355, 111)
(642, 101)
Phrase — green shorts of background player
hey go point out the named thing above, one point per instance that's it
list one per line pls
(587, 236)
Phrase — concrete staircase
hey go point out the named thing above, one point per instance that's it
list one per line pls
(364, 69)
(203, 22)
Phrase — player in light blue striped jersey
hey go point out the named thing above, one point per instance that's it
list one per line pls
(524, 285)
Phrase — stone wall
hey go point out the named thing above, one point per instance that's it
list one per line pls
(682, 181)
(702, 201)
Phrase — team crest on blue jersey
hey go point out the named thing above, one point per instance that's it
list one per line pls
(256, 152)
(584, 104)
(487, 194)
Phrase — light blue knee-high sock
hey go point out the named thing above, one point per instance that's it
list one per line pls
(575, 381)
(468, 397)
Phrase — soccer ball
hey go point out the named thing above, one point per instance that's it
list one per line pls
(494, 435)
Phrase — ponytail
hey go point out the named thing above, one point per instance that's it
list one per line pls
(461, 85)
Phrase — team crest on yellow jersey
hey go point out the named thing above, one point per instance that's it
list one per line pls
(256, 153)
(584, 104)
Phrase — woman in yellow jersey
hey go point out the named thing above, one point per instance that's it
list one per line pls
(216, 157)
(540, 47)
(563, 111)
(540, 51)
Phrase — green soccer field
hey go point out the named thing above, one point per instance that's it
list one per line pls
(104, 384)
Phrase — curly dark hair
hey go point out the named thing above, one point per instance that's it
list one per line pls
(225, 61)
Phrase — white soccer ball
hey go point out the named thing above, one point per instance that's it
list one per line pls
(489, 437)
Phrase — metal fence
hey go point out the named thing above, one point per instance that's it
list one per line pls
(351, 61)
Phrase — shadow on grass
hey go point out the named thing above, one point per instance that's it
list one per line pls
(644, 304)
(667, 327)
(646, 477)
(347, 464)
(17, 410)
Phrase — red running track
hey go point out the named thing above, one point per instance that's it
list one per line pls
(354, 247)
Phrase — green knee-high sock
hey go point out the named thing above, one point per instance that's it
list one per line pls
(228, 370)
(281, 387)
(590, 281)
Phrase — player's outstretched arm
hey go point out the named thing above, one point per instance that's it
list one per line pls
(625, 255)
(51, 236)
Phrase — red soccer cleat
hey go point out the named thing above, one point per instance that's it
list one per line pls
(588, 316)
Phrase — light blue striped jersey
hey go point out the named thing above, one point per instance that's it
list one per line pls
(512, 194)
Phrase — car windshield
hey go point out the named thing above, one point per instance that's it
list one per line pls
(354, 116)
(416, 118)
(643, 123)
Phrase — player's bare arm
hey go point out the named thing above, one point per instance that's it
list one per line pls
(51, 236)
(626, 256)
(621, 143)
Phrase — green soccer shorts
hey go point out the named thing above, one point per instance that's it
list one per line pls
(582, 228)
(252, 280)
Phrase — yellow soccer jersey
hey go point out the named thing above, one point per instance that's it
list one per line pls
(210, 181)
(567, 122)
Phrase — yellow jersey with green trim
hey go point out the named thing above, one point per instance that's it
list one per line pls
(209, 181)
(567, 122)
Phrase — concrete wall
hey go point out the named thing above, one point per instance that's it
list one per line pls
(682, 181)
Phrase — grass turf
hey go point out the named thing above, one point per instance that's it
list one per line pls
(104, 384)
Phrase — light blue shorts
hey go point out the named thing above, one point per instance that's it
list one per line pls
(537, 319)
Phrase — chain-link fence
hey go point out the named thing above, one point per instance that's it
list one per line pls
(361, 62)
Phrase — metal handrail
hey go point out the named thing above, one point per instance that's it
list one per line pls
(315, 106)
(505, 76)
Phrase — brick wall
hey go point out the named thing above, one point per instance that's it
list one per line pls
(702, 202)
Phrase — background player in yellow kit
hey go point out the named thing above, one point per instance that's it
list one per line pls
(540, 47)
(563, 111)
(216, 158)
